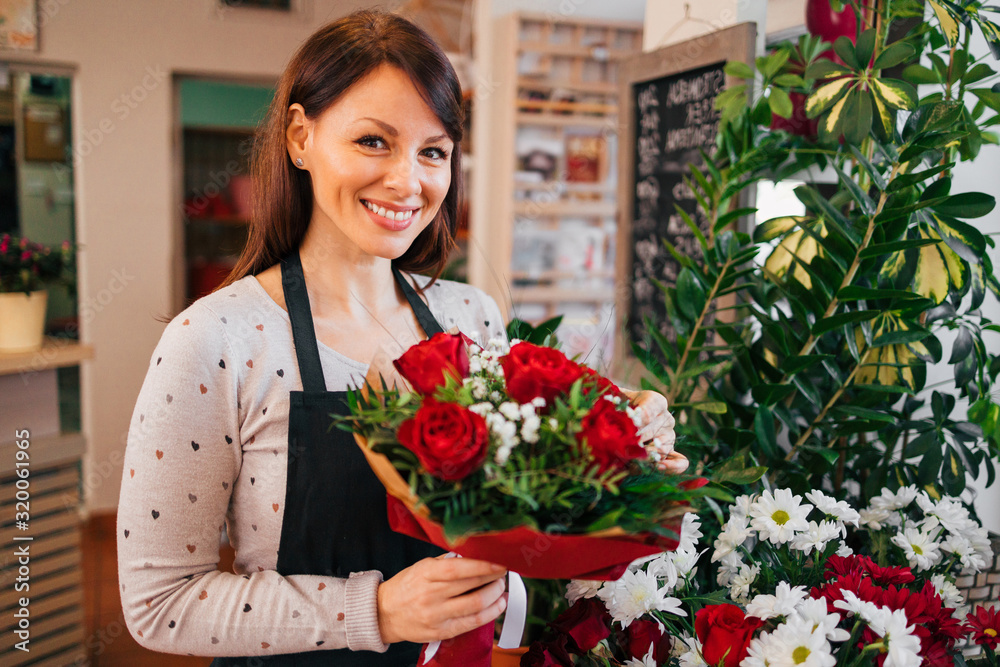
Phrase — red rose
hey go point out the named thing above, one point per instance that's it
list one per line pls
(724, 633)
(604, 385)
(449, 440)
(426, 364)
(642, 634)
(611, 436)
(586, 623)
(548, 654)
(532, 371)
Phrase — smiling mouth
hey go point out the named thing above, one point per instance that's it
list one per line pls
(397, 216)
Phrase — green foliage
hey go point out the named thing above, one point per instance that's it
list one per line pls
(804, 347)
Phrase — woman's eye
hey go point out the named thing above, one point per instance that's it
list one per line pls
(371, 141)
(436, 153)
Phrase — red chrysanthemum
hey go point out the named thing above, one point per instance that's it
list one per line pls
(984, 625)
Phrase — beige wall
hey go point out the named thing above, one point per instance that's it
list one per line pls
(124, 53)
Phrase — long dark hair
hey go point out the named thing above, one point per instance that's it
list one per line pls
(325, 66)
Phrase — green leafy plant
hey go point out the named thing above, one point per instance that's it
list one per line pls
(805, 344)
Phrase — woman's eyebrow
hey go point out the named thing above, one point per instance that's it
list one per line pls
(393, 132)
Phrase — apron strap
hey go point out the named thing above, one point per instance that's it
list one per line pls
(293, 284)
(424, 316)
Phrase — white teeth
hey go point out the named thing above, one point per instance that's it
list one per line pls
(385, 213)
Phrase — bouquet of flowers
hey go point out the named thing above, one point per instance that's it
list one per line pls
(793, 592)
(26, 266)
(521, 456)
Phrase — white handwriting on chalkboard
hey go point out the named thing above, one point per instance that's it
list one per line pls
(647, 99)
(690, 137)
(684, 91)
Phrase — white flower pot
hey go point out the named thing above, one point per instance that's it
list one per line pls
(22, 321)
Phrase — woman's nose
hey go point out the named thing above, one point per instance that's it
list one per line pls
(403, 175)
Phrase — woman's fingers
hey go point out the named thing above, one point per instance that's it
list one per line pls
(674, 463)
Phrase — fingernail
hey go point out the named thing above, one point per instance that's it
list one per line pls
(497, 568)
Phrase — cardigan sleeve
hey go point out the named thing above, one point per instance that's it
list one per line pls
(182, 460)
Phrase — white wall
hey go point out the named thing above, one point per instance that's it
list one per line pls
(124, 53)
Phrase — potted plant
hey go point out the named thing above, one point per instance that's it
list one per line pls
(26, 270)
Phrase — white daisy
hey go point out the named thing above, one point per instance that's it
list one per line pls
(855, 606)
(816, 612)
(895, 501)
(796, 645)
(838, 509)
(924, 502)
(903, 647)
(920, 549)
(685, 562)
(950, 595)
(952, 515)
(735, 533)
(582, 588)
(777, 517)
(816, 536)
(739, 586)
(782, 603)
(635, 594)
(962, 547)
(664, 570)
(874, 518)
(980, 540)
(741, 506)
(844, 551)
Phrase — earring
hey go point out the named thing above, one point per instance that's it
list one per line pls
(298, 162)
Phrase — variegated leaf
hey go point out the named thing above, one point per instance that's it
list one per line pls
(949, 25)
(896, 94)
(825, 96)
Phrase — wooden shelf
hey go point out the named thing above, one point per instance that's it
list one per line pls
(55, 353)
(592, 87)
(565, 120)
(595, 209)
(567, 106)
(542, 276)
(595, 52)
(544, 294)
(566, 186)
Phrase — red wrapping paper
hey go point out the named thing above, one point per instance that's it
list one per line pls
(538, 555)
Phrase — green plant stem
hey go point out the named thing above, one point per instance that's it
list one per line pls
(674, 390)
(826, 408)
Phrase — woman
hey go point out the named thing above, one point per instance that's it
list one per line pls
(358, 177)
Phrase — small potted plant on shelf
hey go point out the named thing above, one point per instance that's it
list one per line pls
(27, 269)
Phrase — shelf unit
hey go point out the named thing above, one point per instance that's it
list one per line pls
(216, 190)
(553, 204)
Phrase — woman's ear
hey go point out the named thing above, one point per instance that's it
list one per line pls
(298, 128)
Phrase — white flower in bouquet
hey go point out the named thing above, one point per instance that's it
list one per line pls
(952, 515)
(795, 644)
(816, 611)
(735, 533)
(690, 533)
(980, 540)
(902, 646)
(816, 536)
(920, 549)
(637, 593)
(838, 509)
(582, 588)
(760, 651)
(844, 551)
(688, 651)
(739, 587)
(962, 548)
(685, 562)
(741, 506)
(647, 660)
(901, 499)
(777, 517)
(729, 567)
(783, 603)
(950, 595)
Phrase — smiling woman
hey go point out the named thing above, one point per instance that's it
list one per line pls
(358, 178)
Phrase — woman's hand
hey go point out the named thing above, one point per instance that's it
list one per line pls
(657, 430)
(440, 598)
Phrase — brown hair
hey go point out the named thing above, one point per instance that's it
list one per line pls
(333, 59)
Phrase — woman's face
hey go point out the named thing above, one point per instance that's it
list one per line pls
(380, 162)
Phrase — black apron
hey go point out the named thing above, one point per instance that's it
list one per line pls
(334, 521)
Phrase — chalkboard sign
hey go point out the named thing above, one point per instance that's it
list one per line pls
(668, 106)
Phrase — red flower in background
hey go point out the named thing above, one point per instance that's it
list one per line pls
(611, 436)
(642, 634)
(984, 624)
(426, 364)
(586, 623)
(533, 371)
(449, 440)
(724, 633)
(548, 654)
